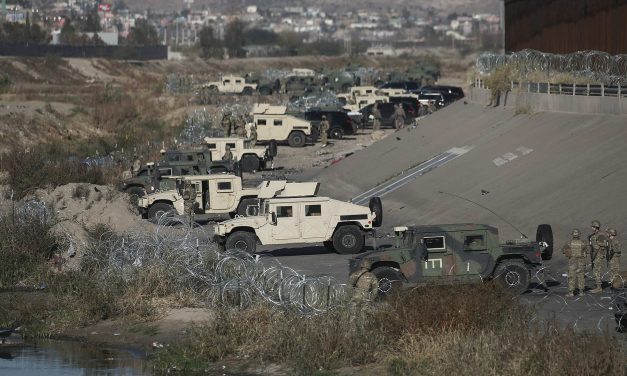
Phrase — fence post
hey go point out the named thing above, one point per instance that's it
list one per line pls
(587, 90)
(574, 86)
(528, 87)
(619, 94)
(602, 89)
(560, 88)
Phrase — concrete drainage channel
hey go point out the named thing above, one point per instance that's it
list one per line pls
(411, 174)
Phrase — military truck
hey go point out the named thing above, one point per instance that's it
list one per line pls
(230, 85)
(174, 162)
(216, 195)
(273, 123)
(250, 158)
(455, 253)
(299, 216)
(265, 85)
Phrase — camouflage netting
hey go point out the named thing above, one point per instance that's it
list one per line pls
(322, 99)
(594, 65)
(203, 123)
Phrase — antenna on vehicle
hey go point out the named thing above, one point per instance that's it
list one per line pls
(488, 209)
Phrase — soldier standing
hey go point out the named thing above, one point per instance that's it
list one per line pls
(228, 156)
(399, 116)
(240, 127)
(227, 123)
(189, 198)
(365, 286)
(324, 131)
(252, 137)
(599, 245)
(576, 251)
(376, 114)
(136, 165)
(613, 257)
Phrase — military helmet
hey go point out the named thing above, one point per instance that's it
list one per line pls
(228, 147)
(612, 232)
(596, 224)
(324, 117)
(576, 233)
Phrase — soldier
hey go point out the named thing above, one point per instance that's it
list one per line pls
(240, 127)
(613, 257)
(228, 156)
(376, 114)
(399, 116)
(227, 123)
(324, 131)
(365, 286)
(576, 251)
(136, 165)
(599, 245)
(252, 137)
(189, 198)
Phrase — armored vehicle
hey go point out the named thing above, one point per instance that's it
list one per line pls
(265, 85)
(300, 216)
(230, 85)
(216, 195)
(455, 253)
(340, 124)
(273, 123)
(174, 162)
(250, 158)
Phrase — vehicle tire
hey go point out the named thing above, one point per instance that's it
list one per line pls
(250, 163)
(336, 133)
(315, 134)
(272, 148)
(328, 245)
(242, 240)
(544, 233)
(248, 207)
(390, 281)
(247, 91)
(513, 276)
(158, 209)
(377, 208)
(348, 240)
(296, 139)
(135, 193)
(265, 91)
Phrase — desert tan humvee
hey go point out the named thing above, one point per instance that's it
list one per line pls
(288, 219)
(251, 159)
(230, 85)
(273, 123)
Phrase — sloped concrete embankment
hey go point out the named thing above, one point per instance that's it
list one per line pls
(556, 168)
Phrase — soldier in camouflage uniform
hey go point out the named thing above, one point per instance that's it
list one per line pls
(365, 286)
(399, 116)
(599, 245)
(324, 131)
(240, 127)
(376, 114)
(189, 198)
(228, 155)
(613, 257)
(227, 123)
(252, 137)
(576, 251)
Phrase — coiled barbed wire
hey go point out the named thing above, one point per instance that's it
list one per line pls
(593, 65)
(218, 277)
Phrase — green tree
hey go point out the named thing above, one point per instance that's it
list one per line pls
(234, 39)
(68, 34)
(209, 45)
(143, 33)
(260, 37)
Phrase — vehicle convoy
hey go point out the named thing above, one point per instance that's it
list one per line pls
(299, 216)
(216, 195)
(273, 123)
(250, 158)
(230, 85)
(455, 253)
(174, 163)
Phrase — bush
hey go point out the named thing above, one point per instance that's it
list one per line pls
(5, 83)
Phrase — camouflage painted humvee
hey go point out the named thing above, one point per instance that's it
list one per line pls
(455, 253)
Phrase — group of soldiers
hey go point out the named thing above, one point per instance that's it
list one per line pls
(237, 126)
(399, 117)
(603, 249)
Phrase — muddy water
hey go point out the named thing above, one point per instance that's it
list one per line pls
(56, 358)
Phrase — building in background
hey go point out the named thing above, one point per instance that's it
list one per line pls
(564, 26)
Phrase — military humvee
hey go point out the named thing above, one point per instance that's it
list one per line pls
(216, 195)
(265, 85)
(230, 85)
(273, 123)
(250, 158)
(299, 216)
(174, 162)
(455, 253)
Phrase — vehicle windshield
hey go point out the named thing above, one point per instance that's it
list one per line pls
(263, 208)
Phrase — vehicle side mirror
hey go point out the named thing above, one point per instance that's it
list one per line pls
(273, 218)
